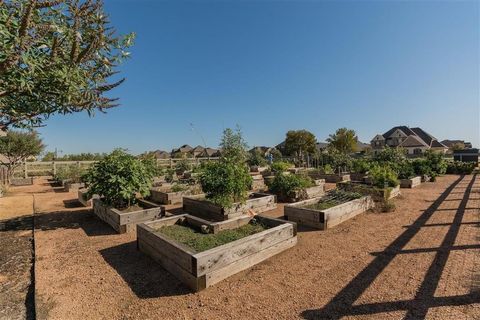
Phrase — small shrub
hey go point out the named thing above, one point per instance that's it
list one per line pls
(169, 175)
(327, 169)
(225, 182)
(460, 167)
(383, 177)
(436, 162)
(179, 187)
(286, 185)
(421, 167)
(183, 165)
(280, 166)
(119, 177)
(72, 173)
(406, 170)
(361, 165)
(387, 205)
(256, 158)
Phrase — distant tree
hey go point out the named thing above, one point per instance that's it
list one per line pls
(49, 156)
(276, 154)
(17, 146)
(56, 57)
(300, 142)
(234, 147)
(343, 140)
(457, 146)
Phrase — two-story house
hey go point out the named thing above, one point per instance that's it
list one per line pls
(414, 140)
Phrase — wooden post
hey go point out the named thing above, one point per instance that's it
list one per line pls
(54, 168)
(25, 170)
(171, 163)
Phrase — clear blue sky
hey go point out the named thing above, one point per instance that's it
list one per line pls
(274, 66)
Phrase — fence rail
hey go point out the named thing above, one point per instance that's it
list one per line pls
(45, 168)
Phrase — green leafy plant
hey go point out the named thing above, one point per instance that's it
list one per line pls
(361, 165)
(406, 170)
(327, 169)
(280, 166)
(72, 173)
(225, 182)
(460, 167)
(421, 167)
(183, 165)
(383, 176)
(436, 162)
(256, 158)
(286, 185)
(179, 187)
(56, 57)
(119, 177)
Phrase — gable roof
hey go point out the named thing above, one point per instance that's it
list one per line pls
(413, 141)
(404, 129)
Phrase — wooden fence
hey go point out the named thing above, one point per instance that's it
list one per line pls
(48, 168)
(3, 175)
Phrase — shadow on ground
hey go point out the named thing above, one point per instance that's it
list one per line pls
(342, 305)
(84, 219)
(145, 277)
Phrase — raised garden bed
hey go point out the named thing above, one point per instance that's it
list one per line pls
(201, 207)
(358, 177)
(73, 186)
(410, 183)
(258, 183)
(83, 198)
(307, 193)
(126, 220)
(330, 178)
(378, 194)
(165, 195)
(200, 253)
(328, 211)
(21, 181)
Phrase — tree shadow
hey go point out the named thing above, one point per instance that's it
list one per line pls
(84, 219)
(72, 203)
(144, 276)
(342, 304)
(17, 224)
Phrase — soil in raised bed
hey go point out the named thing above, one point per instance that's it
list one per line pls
(199, 241)
(333, 198)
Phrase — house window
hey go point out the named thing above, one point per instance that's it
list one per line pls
(417, 151)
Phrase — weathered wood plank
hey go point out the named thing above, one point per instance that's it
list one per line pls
(174, 269)
(251, 260)
(226, 254)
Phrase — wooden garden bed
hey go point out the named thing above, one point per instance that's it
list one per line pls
(200, 207)
(199, 270)
(83, 198)
(410, 183)
(328, 211)
(330, 178)
(73, 186)
(377, 194)
(164, 195)
(21, 181)
(258, 183)
(307, 193)
(126, 221)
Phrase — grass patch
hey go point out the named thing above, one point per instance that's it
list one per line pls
(201, 242)
(333, 198)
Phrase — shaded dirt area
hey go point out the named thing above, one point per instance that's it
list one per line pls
(421, 261)
(16, 254)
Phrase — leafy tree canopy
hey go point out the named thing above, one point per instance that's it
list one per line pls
(343, 140)
(17, 146)
(56, 57)
(234, 147)
(300, 142)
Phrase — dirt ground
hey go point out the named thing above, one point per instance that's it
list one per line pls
(421, 261)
